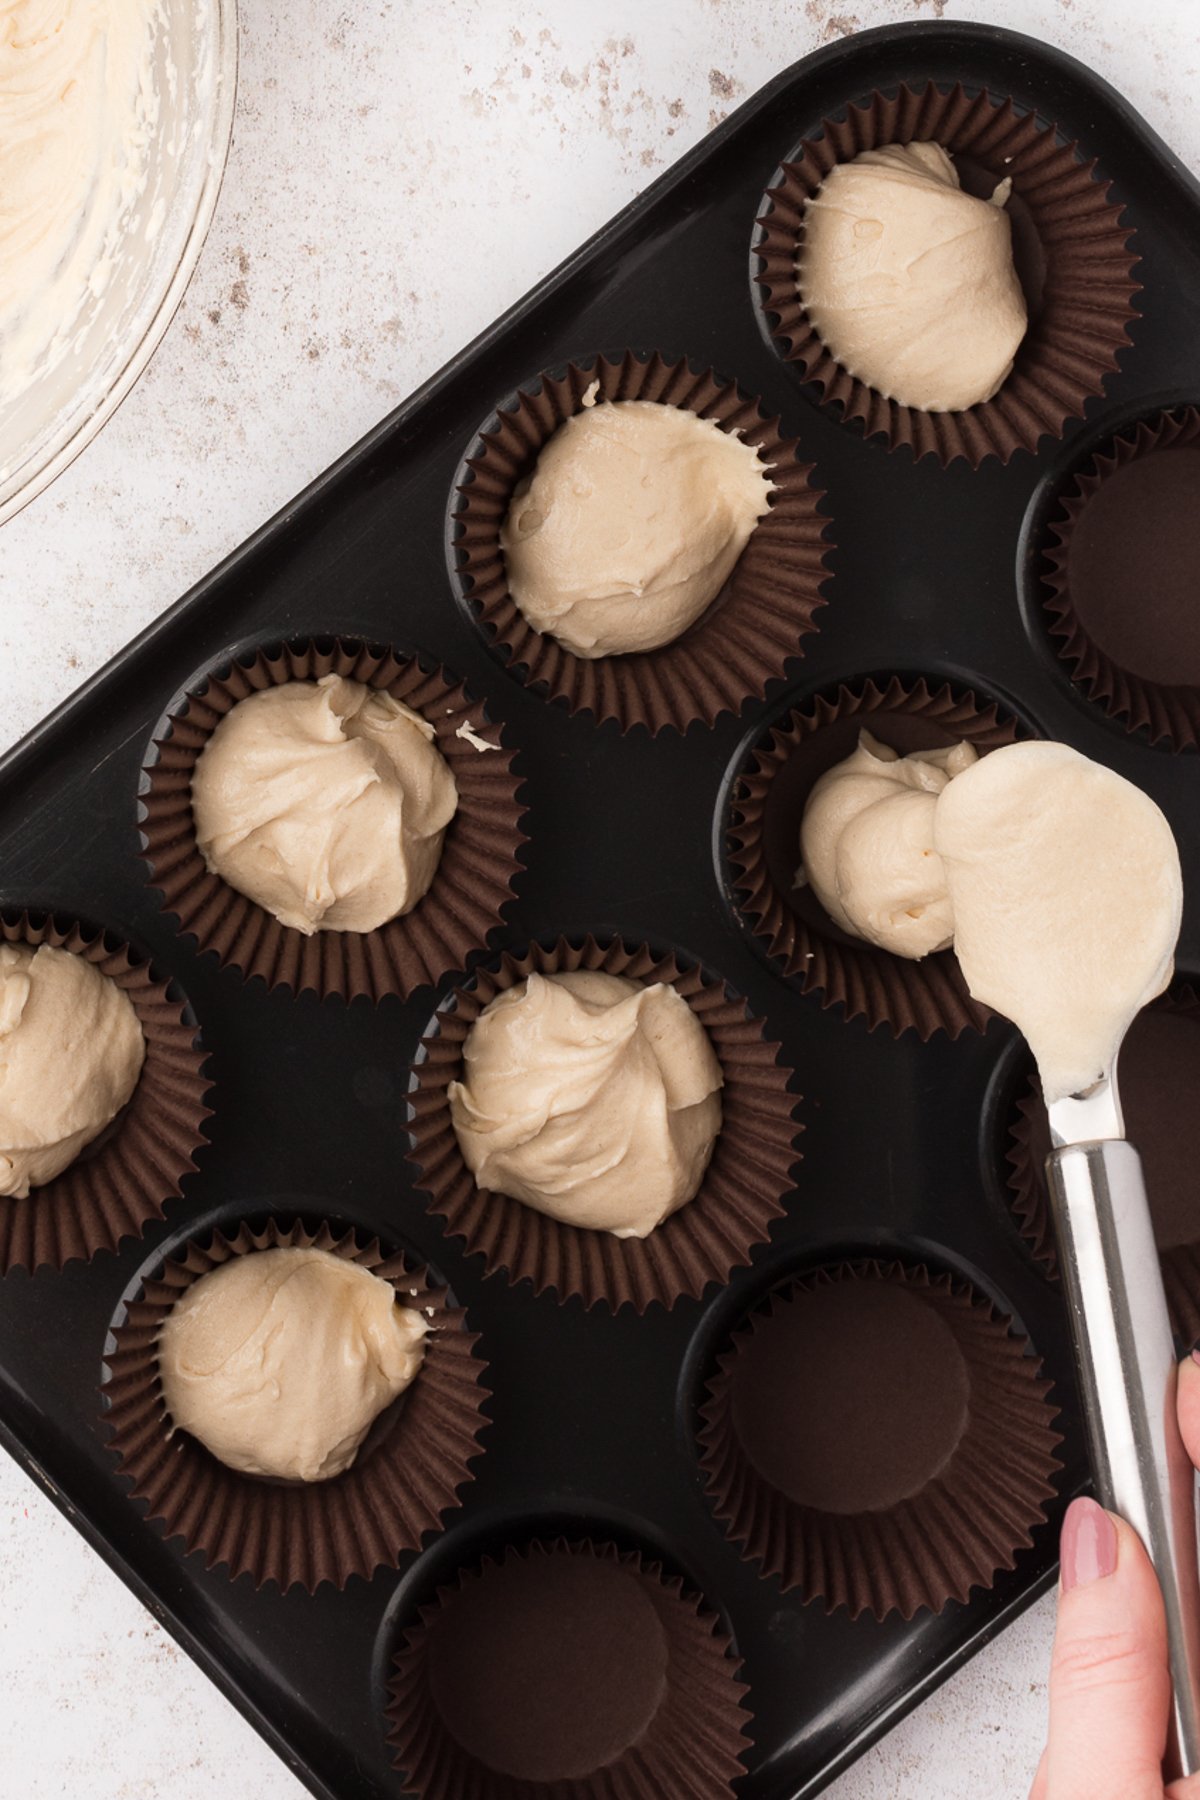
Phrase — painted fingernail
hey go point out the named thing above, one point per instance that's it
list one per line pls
(1089, 1545)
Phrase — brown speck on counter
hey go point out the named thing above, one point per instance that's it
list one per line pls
(724, 86)
(832, 24)
(239, 295)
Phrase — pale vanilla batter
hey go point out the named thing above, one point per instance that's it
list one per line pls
(71, 1051)
(326, 802)
(1056, 881)
(591, 1098)
(909, 282)
(77, 109)
(631, 525)
(867, 845)
(280, 1361)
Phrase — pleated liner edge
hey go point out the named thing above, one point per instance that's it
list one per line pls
(746, 638)
(868, 983)
(1166, 713)
(474, 879)
(743, 1188)
(692, 1750)
(966, 1524)
(113, 1190)
(302, 1534)
(1074, 335)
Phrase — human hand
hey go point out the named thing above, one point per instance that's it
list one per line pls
(1110, 1690)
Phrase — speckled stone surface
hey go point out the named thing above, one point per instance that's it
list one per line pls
(324, 295)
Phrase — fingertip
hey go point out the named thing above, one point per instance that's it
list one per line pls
(1188, 1403)
(1109, 1687)
(1088, 1547)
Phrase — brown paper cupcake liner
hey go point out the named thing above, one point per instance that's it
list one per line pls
(1070, 247)
(572, 1670)
(1140, 556)
(743, 1187)
(747, 636)
(474, 880)
(879, 1438)
(121, 1182)
(763, 848)
(406, 1477)
(1160, 1090)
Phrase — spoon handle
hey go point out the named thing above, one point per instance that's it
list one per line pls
(1125, 1358)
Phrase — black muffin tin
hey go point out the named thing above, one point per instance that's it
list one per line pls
(903, 1146)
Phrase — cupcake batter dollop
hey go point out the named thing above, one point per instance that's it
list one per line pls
(867, 843)
(77, 108)
(630, 526)
(591, 1098)
(71, 1051)
(326, 802)
(1067, 895)
(909, 282)
(280, 1361)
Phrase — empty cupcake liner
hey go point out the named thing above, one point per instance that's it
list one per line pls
(406, 1477)
(121, 1182)
(1070, 246)
(1168, 711)
(878, 1437)
(751, 631)
(743, 1187)
(1160, 1087)
(474, 880)
(567, 1669)
(763, 848)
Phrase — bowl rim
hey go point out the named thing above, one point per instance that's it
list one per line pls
(90, 414)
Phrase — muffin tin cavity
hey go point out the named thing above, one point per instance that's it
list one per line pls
(743, 1189)
(854, 1413)
(567, 1665)
(120, 1182)
(408, 1473)
(1071, 249)
(1118, 566)
(1160, 1086)
(479, 861)
(766, 807)
(751, 630)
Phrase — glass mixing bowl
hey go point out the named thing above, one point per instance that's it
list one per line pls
(195, 80)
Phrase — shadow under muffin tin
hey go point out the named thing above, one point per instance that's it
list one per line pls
(599, 1424)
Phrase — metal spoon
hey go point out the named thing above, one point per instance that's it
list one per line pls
(1125, 1357)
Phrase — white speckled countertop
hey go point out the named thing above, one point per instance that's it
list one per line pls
(324, 295)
